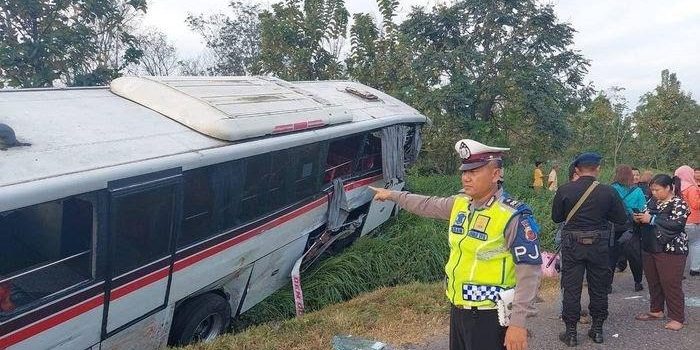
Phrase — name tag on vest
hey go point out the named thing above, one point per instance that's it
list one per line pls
(478, 235)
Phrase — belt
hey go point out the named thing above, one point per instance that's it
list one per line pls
(484, 307)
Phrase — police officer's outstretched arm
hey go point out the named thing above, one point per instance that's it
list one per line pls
(431, 207)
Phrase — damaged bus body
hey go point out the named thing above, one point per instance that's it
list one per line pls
(154, 211)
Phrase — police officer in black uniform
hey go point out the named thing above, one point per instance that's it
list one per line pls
(585, 245)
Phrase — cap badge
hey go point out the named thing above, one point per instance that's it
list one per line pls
(464, 151)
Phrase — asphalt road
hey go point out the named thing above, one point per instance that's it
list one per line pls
(622, 331)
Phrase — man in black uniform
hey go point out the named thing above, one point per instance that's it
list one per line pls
(585, 244)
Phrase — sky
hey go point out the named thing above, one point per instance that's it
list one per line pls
(628, 42)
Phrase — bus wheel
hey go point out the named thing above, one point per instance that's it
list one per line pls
(200, 319)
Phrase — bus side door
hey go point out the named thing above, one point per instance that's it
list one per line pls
(144, 219)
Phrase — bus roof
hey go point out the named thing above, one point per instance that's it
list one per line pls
(76, 130)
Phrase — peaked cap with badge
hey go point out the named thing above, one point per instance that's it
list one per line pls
(475, 154)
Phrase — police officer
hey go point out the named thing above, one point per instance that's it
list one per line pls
(494, 242)
(585, 244)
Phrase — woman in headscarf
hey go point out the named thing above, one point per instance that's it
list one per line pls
(691, 194)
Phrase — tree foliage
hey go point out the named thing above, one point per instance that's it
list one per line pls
(667, 126)
(604, 126)
(234, 39)
(158, 55)
(500, 70)
(77, 41)
(300, 39)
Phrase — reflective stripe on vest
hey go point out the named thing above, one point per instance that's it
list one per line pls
(478, 252)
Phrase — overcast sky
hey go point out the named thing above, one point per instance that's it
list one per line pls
(628, 42)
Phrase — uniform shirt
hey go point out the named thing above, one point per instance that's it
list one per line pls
(527, 275)
(603, 205)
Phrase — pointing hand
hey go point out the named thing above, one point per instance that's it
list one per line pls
(380, 194)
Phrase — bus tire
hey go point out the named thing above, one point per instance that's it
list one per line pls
(200, 319)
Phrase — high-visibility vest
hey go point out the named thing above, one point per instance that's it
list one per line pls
(480, 261)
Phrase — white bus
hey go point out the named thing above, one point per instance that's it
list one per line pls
(154, 211)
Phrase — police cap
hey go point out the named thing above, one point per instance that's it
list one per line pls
(475, 154)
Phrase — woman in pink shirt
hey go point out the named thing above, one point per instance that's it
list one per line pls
(691, 195)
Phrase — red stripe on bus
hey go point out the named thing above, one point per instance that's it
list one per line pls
(363, 182)
(50, 322)
(78, 309)
(197, 257)
(139, 283)
(194, 258)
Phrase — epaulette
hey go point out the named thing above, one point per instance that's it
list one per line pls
(515, 204)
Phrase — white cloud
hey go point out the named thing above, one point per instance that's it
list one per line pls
(628, 42)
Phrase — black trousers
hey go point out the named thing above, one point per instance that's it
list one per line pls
(632, 251)
(592, 260)
(476, 330)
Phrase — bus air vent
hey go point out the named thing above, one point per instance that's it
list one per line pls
(365, 95)
(232, 108)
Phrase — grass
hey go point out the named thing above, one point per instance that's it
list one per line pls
(400, 315)
(403, 315)
(408, 251)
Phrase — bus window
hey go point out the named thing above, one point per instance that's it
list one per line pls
(198, 207)
(227, 179)
(254, 202)
(141, 225)
(268, 182)
(370, 158)
(341, 156)
(280, 178)
(306, 171)
(46, 248)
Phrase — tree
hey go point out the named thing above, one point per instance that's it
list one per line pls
(116, 45)
(604, 126)
(375, 58)
(158, 55)
(509, 65)
(300, 41)
(201, 65)
(500, 70)
(667, 126)
(234, 40)
(42, 41)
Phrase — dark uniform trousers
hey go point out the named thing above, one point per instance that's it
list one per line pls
(591, 259)
(476, 330)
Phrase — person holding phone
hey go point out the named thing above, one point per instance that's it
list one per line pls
(665, 248)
